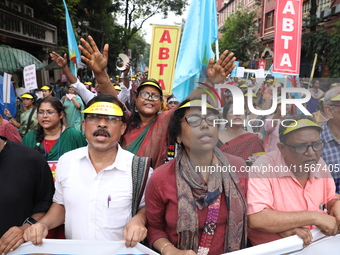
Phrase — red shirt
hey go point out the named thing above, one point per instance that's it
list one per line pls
(162, 207)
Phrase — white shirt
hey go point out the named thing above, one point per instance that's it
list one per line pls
(90, 215)
(83, 92)
(124, 95)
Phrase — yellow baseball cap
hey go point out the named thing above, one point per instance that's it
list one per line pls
(46, 87)
(334, 85)
(27, 96)
(197, 103)
(336, 98)
(301, 124)
(88, 83)
(243, 86)
(105, 108)
(252, 93)
(117, 87)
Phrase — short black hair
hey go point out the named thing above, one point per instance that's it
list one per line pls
(175, 127)
(289, 120)
(108, 98)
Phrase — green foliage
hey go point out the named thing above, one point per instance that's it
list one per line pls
(315, 42)
(239, 34)
(332, 53)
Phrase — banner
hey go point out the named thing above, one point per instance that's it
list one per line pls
(30, 77)
(262, 64)
(81, 247)
(6, 89)
(292, 245)
(163, 55)
(73, 51)
(287, 37)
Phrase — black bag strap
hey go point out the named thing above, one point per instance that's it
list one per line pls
(29, 120)
(140, 172)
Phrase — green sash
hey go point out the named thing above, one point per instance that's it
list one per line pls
(134, 147)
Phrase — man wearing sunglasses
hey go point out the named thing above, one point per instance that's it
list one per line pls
(290, 190)
(95, 192)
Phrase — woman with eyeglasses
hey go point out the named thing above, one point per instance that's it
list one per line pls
(52, 137)
(195, 204)
(234, 139)
(146, 133)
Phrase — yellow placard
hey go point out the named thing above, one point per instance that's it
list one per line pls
(163, 55)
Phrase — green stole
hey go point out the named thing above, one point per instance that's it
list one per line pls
(134, 147)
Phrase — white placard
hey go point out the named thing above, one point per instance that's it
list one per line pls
(259, 73)
(6, 88)
(30, 77)
(82, 247)
(240, 71)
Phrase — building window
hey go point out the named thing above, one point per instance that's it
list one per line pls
(269, 19)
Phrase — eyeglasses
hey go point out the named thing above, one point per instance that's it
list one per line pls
(196, 120)
(154, 97)
(96, 118)
(42, 113)
(303, 148)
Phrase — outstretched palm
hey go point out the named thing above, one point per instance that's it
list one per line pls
(221, 69)
(96, 60)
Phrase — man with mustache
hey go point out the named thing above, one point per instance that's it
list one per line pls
(94, 192)
(291, 190)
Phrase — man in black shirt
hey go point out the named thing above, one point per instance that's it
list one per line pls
(26, 188)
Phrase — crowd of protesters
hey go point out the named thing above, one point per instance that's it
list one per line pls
(133, 163)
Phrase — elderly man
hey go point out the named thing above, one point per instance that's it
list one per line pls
(331, 134)
(94, 192)
(290, 190)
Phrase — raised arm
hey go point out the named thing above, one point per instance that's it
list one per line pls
(97, 61)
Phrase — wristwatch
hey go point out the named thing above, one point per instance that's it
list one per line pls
(30, 221)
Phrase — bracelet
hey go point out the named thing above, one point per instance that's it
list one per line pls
(164, 247)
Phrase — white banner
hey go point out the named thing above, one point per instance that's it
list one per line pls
(82, 247)
(30, 77)
(321, 244)
(6, 88)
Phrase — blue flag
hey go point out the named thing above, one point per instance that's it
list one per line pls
(200, 32)
(73, 51)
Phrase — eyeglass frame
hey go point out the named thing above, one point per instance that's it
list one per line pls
(308, 145)
(201, 118)
(158, 97)
(106, 117)
(48, 113)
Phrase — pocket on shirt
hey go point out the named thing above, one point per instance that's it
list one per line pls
(117, 214)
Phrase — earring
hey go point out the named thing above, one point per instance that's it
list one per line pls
(136, 110)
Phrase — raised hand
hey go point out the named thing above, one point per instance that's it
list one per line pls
(91, 55)
(59, 60)
(221, 69)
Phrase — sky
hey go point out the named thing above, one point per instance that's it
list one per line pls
(157, 19)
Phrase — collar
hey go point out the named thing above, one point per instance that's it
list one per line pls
(118, 164)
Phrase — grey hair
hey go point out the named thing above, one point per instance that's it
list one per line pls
(330, 94)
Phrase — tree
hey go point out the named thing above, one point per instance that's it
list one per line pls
(332, 55)
(136, 12)
(239, 34)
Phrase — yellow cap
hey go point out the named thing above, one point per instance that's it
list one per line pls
(27, 96)
(321, 99)
(150, 83)
(88, 83)
(336, 98)
(120, 77)
(105, 108)
(334, 85)
(252, 93)
(197, 103)
(45, 87)
(259, 153)
(133, 79)
(243, 86)
(270, 80)
(300, 124)
(117, 87)
(253, 78)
